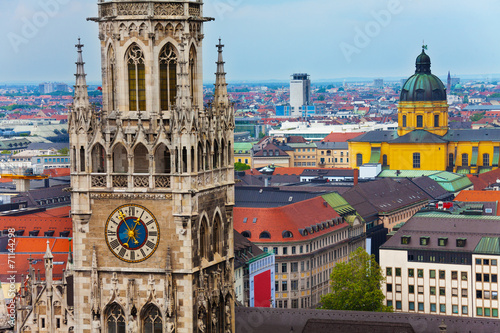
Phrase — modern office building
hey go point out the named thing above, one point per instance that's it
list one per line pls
(300, 94)
(445, 263)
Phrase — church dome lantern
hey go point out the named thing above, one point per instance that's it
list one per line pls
(423, 85)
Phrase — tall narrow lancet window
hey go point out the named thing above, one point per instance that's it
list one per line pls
(82, 159)
(192, 73)
(168, 76)
(163, 160)
(98, 159)
(115, 319)
(136, 78)
(111, 77)
(152, 322)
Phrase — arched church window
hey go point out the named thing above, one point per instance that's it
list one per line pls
(111, 79)
(465, 159)
(215, 163)
(168, 76)
(192, 73)
(115, 319)
(420, 121)
(404, 121)
(98, 159)
(193, 159)
(184, 160)
(204, 239)
(222, 155)
(136, 78)
(416, 160)
(359, 159)
(207, 157)
(200, 156)
(82, 159)
(436, 120)
(152, 320)
(451, 160)
(217, 237)
(229, 153)
(141, 160)
(486, 159)
(120, 159)
(163, 160)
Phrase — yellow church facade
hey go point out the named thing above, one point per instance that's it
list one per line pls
(423, 140)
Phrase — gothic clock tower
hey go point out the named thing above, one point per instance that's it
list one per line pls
(152, 178)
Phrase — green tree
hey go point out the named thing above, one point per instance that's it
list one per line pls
(63, 151)
(477, 116)
(356, 285)
(238, 166)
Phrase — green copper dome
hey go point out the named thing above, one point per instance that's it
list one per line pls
(423, 86)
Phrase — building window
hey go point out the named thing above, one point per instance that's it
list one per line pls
(265, 235)
(398, 305)
(464, 276)
(442, 308)
(442, 241)
(152, 320)
(168, 76)
(424, 240)
(405, 240)
(283, 267)
(359, 160)
(420, 306)
(285, 251)
(404, 121)
(294, 267)
(384, 160)
(294, 285)
(442, 275)
(275, 250)
(136, 78)
(436, 120)
(398, 271)
(284, 286)
(389, 287)
(454, 275)
(411, 306)
(388, 271)
(486, 160)
(115, 320)
(410, 272)
(461, 242)
(465, 160)
(420, 273)
(411, 289)
(432, 290)
(433, 307)
(465, 310)
(416, 160)
(464, 292)
(420, 121)
(442, 291)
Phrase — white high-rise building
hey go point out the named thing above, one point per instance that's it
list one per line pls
(300, 93)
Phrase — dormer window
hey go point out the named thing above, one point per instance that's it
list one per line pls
(461, 242)
(424, 240)
(442, 241)
(405, 240)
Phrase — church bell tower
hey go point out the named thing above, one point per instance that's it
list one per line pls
(152, 178)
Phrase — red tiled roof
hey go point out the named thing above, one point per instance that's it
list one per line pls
(57, 172)
(33, 222)
(341, 137)
(22, 266)
(478, 196)
(55, 212)
(485, 179)
(291, 218)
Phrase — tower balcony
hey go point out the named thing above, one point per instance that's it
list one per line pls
(159, 9)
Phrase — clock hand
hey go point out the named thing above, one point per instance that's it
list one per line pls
(122, 216)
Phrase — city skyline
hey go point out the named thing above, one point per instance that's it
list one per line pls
(270, 41)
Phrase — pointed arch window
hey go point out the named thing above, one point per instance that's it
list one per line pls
(98, 159)
(204, 239)
(136, 78)
(152, 320)
(200, 157)
(141, 160)
(120, 159)
(192, 73)
(215, 163)
(111, 79)
(115, 319)
(168, 76)
(163, 160)
(82, 159)
(217, 230)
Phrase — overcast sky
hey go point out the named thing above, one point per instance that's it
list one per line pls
(271, 39)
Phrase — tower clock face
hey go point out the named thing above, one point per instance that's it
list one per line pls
(132, 233)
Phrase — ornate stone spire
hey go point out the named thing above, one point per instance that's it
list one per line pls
(48, 253)
(220, 94)
(81, 98)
